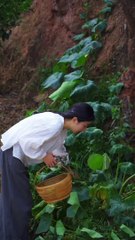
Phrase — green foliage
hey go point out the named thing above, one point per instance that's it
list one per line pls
(103, 111)
(79, 37)
(95, 25)
(106, 10)
(64, 91)
(127, 230)
(114, 236)
(75, 204)
(116, 89)
(90, 24)
(98, 161)
(110, 2)
(101, 204)
(78, 55)
(60, 229)
(74, 75)
(44, 224)
(53, 81)
(93, 234)
(84, 92)
(9, 14)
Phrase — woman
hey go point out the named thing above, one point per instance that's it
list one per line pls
(35, 139)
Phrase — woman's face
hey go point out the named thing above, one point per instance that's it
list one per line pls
(77, 127)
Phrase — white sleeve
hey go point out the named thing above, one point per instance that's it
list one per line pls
(32, 148)
(35, 144)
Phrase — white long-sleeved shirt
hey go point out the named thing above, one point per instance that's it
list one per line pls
(34, 137)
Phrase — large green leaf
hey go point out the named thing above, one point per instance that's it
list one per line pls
(75, 204)
(60, 67)
(106, 162)
(39, 205)
(44, 224)
(74, 49)
(114, 236)
(95, 161)
(54, 81)
(118, 207)
(78, 37)
(127, 167)
(106, 10)
(90, 24)
(127, 230)
(78, 54)
(87, 47)
(91, 47)
(64, 106)
(74, 200)
(80, 61)
(73, 75)
(92, 233)
(102, 111)
(90, 133)
(77, 48)
(116, 89)
(40, 213)
(72, 211)
(47, 209)
(97, 177)
(118, 149)
(98, 161)
(50, 208)
(84, 92)
(64, 91)
(70, 140)
(60, 229)
(100, 27)
(85, 41)
(68, 58)
(83, 193)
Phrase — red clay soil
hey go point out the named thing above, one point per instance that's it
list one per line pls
(42, 35)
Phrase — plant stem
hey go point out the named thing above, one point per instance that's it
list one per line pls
(117, 171)
(127, 180)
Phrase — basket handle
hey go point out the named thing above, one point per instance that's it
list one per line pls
(68, 169)
(40, 170)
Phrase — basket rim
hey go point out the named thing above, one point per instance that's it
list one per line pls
(66, 175)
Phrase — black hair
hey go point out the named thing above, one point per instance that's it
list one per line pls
(83, 111)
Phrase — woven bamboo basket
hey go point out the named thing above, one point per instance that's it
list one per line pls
(56, 188)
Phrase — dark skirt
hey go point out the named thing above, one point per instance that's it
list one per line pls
(15, 198)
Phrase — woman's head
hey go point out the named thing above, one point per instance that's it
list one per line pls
(79, 117)
(83, 111)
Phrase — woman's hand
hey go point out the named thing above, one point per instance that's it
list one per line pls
(50, 160)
